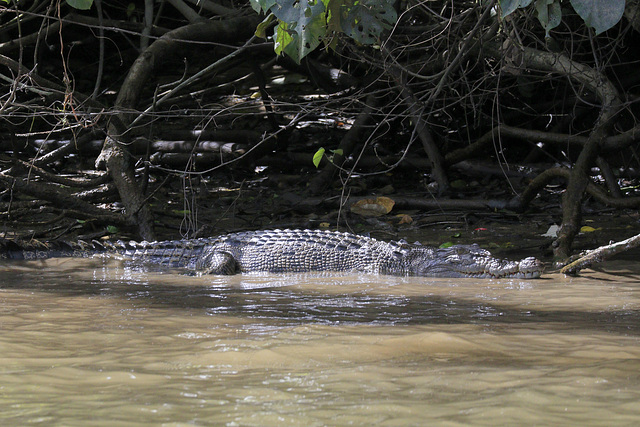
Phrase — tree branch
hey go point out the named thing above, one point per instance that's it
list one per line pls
(600, 254)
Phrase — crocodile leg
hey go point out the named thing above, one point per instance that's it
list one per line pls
(217, 262)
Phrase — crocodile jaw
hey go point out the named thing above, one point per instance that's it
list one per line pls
(471, 261)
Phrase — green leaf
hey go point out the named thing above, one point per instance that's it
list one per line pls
(304, 23)
(599, 14)
(261, 29)
(507, 7)
(339, 152)
(317, 157)
(549, 14)
(80, 4)
(297, 11)
(112, 229)
(265, 5)
(365, 20)
(283, 38)
(255, 5)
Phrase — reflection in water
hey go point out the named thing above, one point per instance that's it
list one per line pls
(94, 340)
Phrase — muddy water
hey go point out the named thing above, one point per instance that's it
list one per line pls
(93, 342)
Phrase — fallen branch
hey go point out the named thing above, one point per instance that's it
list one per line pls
(600, 254)
(55, 195)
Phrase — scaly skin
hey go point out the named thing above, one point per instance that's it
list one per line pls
(280, 251)
(292, 251)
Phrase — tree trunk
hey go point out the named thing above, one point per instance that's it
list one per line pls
(114, 155)
(606, 92)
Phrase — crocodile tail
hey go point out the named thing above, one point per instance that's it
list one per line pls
(175, 253)
(35, 249)
(170, 253)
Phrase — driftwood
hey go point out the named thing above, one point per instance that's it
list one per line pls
(600, 254)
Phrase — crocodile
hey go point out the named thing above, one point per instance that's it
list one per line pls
(293, 251)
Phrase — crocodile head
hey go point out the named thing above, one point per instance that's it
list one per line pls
(470, 261)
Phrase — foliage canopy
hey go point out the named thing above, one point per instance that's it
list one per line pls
(304, 24)
(601, 15)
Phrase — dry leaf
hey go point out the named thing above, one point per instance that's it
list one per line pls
(373, 207)
(405, 219)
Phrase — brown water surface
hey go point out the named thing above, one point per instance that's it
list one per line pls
(93, 342)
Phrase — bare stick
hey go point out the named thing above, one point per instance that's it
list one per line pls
(600, 254)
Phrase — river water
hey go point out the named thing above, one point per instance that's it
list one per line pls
(95, 342)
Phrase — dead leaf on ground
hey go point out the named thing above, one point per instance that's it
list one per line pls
(404, 219)
(373, 207)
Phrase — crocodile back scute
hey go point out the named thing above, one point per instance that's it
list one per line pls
(277, 251)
